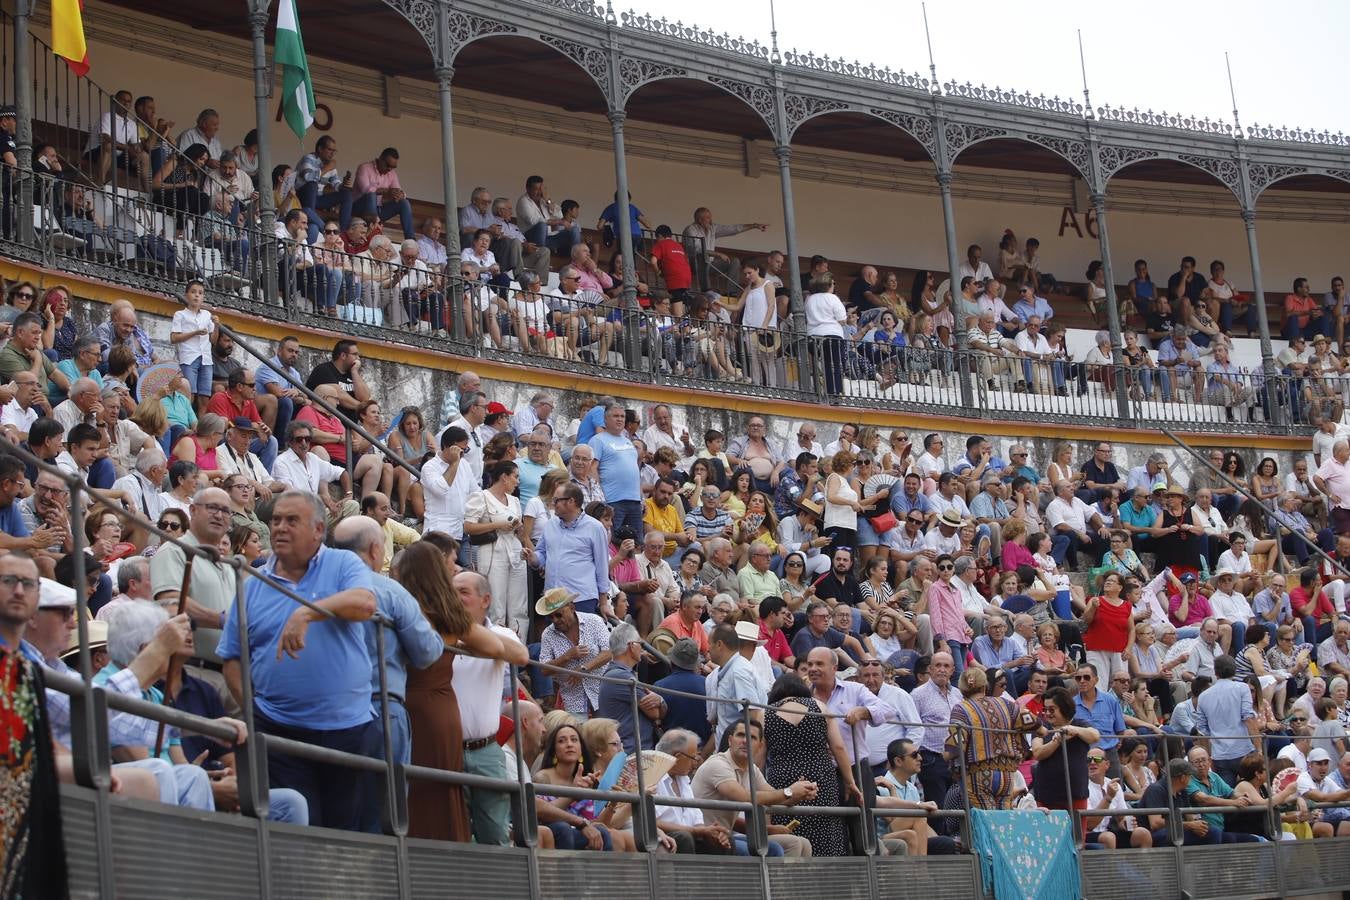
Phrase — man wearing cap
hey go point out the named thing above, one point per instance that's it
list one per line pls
(497, 421)
(212, 590)
(1075, 528)
(733, 680)
(238, 401)
(573, 551)
(573, 640)
(236, 456)
(688, 713)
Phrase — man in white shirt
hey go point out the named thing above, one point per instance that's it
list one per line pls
(1036, 358)
(1231, 607)
(804, 442)
(539, 409)
(686, 824)
(234, 458)
(1107, 794)
(848, 435)
(759, 317)
(19, 414)
(447, 482)
(1328, 432)
(300, 470)
(117, 140)
(974, 266)
(83, 405)
(872, 674)
(418, 290)
(140, 488)
(661, 433)
(205, 133)
(1074, 528)
(930, 464)
(472, 411)
(480, 682)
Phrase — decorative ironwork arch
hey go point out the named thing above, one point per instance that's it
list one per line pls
(1225, 171)
(421, 15)
(919, 127)
(635, 73)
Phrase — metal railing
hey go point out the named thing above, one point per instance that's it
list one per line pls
(134, 239)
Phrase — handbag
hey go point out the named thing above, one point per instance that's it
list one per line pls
(486, 537)
(884, 522)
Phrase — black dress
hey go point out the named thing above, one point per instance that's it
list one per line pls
(803, 751)
(1179, 549)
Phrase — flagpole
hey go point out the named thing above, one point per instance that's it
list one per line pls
(258, 14)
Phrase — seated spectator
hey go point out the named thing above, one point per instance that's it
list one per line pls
(319, 186)
(431, 244)
(300, 469)
(202, 446)
(419, 291)
(1303, 315)
(377, 194)
(533, 257)
(18, 415)
(477, 251)
(994, 353)
(301, 274)
(1181, 357)
(237, 401)
(543, 222)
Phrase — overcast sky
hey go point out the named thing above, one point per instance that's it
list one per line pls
(1150, 54)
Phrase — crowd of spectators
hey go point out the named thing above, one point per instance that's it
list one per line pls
(911, 625)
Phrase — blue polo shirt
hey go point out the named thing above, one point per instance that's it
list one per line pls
(591, 424)
(12, 523)
(1105, 715)
(902, 505)
(618, 466)
(1128, 514)
(327, 687)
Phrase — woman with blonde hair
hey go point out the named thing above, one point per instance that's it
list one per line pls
(438, 811)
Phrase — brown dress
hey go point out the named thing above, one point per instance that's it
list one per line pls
(436, 811)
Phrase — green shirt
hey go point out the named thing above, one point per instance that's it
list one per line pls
(13, 361)
(757, 585)
(1217, 788)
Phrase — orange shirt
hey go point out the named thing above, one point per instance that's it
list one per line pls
(1294, 305)
(696, 632)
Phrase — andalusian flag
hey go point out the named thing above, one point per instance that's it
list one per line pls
(297, 91)
(68, 35)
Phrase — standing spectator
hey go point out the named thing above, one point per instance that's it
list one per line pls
(479, 694)
(986, 739)
(1108, 626)
(801, 744)
(447, 482)
(1223, 712)
(575, 640)
(1102, 710)
(320, 693)
(1332, 479)
(935, 699)
(492, 524)
(617, 462)
(825, 318)
(573, 551)
(211, 594)
(411, 642)
(1061, 754)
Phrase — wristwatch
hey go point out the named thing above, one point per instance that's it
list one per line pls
(787, 792)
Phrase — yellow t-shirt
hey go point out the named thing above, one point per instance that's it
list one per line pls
(664, 520)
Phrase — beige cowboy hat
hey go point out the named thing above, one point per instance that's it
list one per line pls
(553, 600)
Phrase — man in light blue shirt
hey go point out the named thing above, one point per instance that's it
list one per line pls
(1028, 305)
(1225, 713)
(410, 641)
(311, 672)
(573, 551)
(618, 464)
(1103, 712)
(275, 394)
(733, 681)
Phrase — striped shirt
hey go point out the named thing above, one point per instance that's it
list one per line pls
(705, 527)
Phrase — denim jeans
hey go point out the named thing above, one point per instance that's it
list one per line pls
(285, 412)
(433, 305)
(628, 512)
(569, 837)
(368, 205)
(400, 729)
(186, 786)
(198, 375)
(312, 202)
(286, 805)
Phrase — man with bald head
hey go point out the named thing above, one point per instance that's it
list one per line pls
(857, 707)
(410, 640)
(1333, 479)
(478, 688)
(211, 592)
(396, 534)
(935, 699)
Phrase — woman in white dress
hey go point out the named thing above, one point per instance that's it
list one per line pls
(492, 522)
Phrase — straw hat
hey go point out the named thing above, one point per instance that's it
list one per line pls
(553, 600)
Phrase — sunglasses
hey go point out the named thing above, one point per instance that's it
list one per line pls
(1096, 759)
(1082, 678)
(947, 568)
(169, 525)
(301, 439)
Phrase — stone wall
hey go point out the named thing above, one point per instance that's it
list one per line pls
(397, 385)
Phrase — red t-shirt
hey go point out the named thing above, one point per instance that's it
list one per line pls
(777, 646)
(222, 405)
(1300, 307)
(1110, 628)
(669, 256)
(1322, 609)
(337, 452)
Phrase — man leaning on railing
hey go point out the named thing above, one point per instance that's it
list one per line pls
(311, 673)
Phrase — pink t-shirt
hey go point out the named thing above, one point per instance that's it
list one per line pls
(369, 179)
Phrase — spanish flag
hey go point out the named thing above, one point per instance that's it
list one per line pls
(68, 35)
